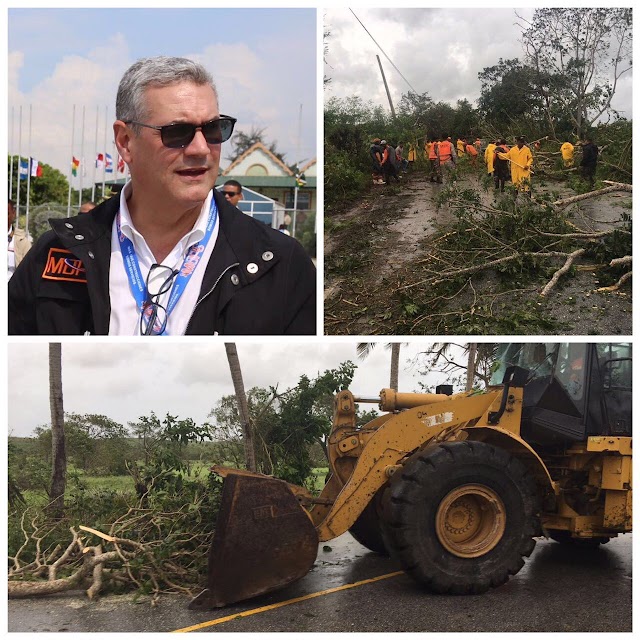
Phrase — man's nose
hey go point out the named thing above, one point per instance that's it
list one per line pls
(199, 145)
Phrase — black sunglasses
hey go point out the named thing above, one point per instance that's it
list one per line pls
(180, 134)
(231, 194)
(153, 319)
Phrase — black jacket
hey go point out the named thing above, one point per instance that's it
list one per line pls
(589, 155)
(51, 293)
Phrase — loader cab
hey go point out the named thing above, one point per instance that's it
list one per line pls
(574, 390)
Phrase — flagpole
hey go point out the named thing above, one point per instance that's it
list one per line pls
(29, 171)
(19, 161)
(104, 146)
(82, 159)
(73, 133)
(95, 164)
(11, 154)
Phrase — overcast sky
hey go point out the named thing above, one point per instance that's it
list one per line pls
(439, 51)
(128, 380)
(62, 57)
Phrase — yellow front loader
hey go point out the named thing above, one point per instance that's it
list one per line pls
(455, 487)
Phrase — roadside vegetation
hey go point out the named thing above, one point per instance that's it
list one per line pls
(141, 503)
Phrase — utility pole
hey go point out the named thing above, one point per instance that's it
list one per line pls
(393, 111)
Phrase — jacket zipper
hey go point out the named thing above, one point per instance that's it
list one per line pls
(215, 284)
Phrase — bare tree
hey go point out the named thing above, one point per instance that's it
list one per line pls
(441, 357)
(243, 406)
(587, 50)
(59, 455)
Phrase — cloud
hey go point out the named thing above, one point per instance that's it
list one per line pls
(253, 79)
(84, 81)
(439, 51)
(129, 380)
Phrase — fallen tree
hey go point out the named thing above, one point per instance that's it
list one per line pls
(614, 186)
(148, 548)
(531, 242)
(490, 263)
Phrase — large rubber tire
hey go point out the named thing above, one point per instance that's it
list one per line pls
(367, 529)
(586, 544)
(461, 517)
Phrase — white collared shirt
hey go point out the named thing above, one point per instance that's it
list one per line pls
(125, 314)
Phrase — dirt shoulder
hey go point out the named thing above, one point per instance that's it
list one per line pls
(376, 250)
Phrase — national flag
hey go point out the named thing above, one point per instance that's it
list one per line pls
(121, 165)
(36, 169)
(300, 180)
(24, 169)
(99, 160)
(75, 163)
(108, 163)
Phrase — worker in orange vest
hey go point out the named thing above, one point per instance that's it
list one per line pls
(446, 155)
(472, 152)
(435, 173)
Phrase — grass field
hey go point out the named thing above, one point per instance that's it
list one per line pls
(125, 484)
(319, 475)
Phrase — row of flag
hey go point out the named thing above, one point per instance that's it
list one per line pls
(35, 169)
(102, 160)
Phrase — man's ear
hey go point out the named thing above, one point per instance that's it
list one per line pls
(122, 135)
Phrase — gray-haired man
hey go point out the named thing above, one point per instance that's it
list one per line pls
(168, 256)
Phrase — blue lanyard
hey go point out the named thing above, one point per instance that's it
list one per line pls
(189, 264)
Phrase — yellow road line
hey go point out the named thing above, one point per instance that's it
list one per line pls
(277, 605)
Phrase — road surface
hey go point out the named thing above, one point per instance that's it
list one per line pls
(557, 590)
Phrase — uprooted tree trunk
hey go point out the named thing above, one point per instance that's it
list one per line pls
(614, 186)
(172, 563)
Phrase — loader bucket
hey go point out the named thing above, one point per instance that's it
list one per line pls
(263, 541)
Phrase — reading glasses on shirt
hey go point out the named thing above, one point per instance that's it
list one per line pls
(153, 319)
(180, 134)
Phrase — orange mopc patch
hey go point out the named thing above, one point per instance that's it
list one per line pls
(63, 265)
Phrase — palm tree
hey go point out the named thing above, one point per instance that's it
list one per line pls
(364, 349)
(471, 365)
(59, 456)
(243, 407)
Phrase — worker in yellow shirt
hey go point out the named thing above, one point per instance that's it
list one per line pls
(567, 154)
(460, 144)
(488, 157)
(413, 154)
(521, 160)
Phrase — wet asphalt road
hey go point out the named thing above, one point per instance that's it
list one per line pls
(559, 589)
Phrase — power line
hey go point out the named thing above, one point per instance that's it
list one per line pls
(383, 52)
